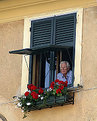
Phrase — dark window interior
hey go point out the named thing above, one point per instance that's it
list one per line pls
(43, 69)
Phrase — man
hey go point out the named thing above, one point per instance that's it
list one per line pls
(65, 72)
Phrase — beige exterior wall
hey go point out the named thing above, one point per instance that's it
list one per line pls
(11, 10)
(11, 38)
(89, 48)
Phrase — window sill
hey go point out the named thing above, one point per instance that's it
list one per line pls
(74, 89)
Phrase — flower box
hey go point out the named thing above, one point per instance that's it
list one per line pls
(50, 100)
(60, 99)
(39, 105)
(37, 98)
(39, 102)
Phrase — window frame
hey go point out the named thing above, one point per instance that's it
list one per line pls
(26, 44)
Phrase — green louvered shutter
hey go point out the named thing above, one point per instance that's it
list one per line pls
(65, 29)
(41, 32)
(58, 30)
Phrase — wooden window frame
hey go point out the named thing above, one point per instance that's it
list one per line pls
(26, 44)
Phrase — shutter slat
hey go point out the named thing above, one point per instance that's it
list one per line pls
(63, 37)
(64, 31)
(39, 27)
(43, 28)
(66, 24)
(66, 38)
(66, 34)
(43, 23)
(40, 41)
(64, 27)
(41, 32)
(63, 43)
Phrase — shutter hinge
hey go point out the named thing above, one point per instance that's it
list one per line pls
(30, 29)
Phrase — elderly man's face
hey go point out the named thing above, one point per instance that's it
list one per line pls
(63, 68)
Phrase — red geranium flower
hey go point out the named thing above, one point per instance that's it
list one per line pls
(61, 87)
(63, 83)
(33, 87)
(60, 82)
(34, 95)
(58, 91)
(66, 82)
(26, 93)
(41, 91)
(57, 80)
(52, 85)
(29, 86)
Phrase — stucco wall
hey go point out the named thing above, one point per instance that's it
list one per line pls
(85, 107)
(89, 48)
(11, 10)
(11, 37)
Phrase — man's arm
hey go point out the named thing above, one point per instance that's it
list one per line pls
(69, 77)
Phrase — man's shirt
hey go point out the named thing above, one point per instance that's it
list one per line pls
(68, 77)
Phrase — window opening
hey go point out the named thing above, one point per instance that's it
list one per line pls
(52, 41)
(46, 66)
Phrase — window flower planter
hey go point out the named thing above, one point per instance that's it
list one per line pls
(35, 99)
(61, 99)
(50, 100)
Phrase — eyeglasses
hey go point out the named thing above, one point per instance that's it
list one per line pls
(63, 68)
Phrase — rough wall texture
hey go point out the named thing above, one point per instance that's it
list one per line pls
(89, 48)
(85, 107)
(11, 37)
(12, 10)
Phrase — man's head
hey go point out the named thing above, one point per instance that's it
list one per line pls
(64, 67)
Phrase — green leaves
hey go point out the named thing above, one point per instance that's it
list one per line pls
(59, 94)
(54, 91)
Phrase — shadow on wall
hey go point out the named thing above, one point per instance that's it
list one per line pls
(2, 118)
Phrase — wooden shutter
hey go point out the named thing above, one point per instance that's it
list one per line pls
(65, 29)
(58, 30)
(41, 32)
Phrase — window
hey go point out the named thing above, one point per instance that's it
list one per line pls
(53, 40)
(56, 42)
